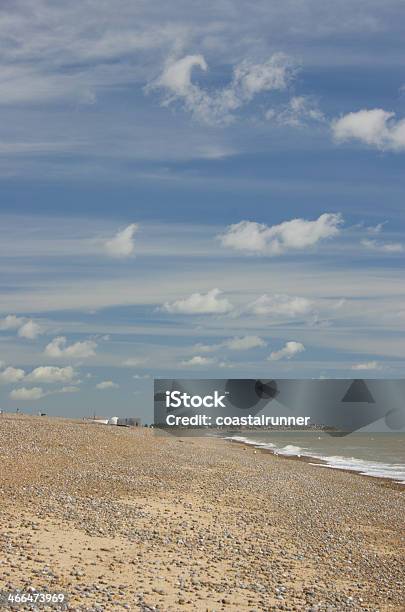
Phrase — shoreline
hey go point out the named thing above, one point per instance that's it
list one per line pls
(313, 460)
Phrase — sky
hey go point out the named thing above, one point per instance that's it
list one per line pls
(197, 190)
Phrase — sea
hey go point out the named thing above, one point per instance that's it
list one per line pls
(381, 455)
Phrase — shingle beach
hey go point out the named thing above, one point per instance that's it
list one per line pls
(125, 519)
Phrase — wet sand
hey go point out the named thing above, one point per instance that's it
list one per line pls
(123, 518)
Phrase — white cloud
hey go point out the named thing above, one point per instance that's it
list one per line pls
(30, 330)
(107, 384)
(133, 362)
(122, 244)
(11, 322)
(369, 365)
(376, 229)
(177, 74)
(218, 106)
(384, 247)
(198, 361)
(26, 328)
(296, 234)
(281, 306)
(245, 343)
(141, 376)
(289, 350)
(52, 374)
(25, 394)
(376, 127)
(200, 303)
(299, 110)
(69, 389)
(11, 375)
(58, 348)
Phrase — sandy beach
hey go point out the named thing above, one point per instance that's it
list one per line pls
(121, 518)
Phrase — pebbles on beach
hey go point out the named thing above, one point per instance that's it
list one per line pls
(126, 519)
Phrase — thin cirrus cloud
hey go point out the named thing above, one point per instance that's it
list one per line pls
(289, 350)
(218, 106)
(122, 244)
(368, 365)
(376, 127)
(26, 328)
(298, 112)
(238, 343)
(383, 247)
(293, 235)
(200, 303)
(58, 347)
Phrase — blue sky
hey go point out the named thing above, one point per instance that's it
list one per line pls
(196, 191)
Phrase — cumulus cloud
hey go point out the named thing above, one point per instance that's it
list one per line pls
(11, 322)
(377, 128)
(297, 234)
(107, 384)
(198, 361)
(245, 343)
(52, 374)
(200, 303)
(27, 328)
(30, 330)
(24, 394)
(218, 106)
(383, 247)
(289, 350)
(281, 306)
(58, 347)
(369, 365)
(122, 244)
(11, 375)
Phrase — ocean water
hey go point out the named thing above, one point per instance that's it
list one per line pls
(372, 454)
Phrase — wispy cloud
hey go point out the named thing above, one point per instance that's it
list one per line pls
(383, 247)
(368, 365)
(219, 106)
(281, 306)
